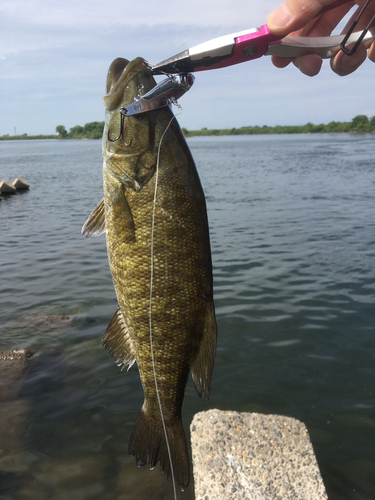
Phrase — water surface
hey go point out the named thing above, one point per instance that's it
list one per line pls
(293, 242)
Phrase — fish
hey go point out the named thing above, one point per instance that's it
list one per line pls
(160, 259)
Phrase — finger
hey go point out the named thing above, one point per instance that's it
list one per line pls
(343, 64)
(281, 62)
(365, 18)
(309, 65)
(291, 15)
(371, 52)
(324, 25)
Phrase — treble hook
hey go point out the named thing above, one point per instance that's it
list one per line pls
(121, 134)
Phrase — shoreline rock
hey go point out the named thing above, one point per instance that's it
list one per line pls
(16, 354)
(7, 187)
(19, 184)
(14, 366)
(253, 456)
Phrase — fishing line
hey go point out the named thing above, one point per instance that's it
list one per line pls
(150, 309)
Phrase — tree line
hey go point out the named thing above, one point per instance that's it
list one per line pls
(92, 130)
(359, 124)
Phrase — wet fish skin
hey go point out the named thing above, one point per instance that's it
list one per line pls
(183, 319)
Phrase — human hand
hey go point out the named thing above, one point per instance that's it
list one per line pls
(297, 17)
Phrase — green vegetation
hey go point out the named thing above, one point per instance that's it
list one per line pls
(359, 124)
(25, 137)
(92, 130)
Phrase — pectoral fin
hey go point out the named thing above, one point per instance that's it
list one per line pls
(95, 224)
(118, 342)
(122, 215)
(201, 368)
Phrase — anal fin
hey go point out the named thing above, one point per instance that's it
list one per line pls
(203, 364)
(118, 342)
(95, 224)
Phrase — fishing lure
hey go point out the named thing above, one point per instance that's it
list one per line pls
(166, 92)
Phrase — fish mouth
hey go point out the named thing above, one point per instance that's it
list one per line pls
(120, 75)
(133, 135)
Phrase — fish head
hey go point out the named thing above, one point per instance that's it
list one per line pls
(129, 142)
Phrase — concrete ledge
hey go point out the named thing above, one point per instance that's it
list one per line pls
(253, 456)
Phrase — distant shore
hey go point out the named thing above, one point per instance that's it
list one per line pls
(359, 124)
(94, 130)
(26, 137)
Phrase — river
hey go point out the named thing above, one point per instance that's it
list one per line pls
(292, 222)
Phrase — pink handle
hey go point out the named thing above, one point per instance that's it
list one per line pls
(245, 48)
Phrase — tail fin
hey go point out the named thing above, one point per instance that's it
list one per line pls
(148, 445)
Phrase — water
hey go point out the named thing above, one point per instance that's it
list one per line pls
(293, 240)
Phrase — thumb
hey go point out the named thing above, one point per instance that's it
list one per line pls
(292, 15)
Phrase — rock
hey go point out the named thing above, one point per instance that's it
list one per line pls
(6, 187)
(20, 183)
(14, 366)
(13, 418)
(48, 322)
(44, 377)
(8, 481)
(253, 456)
(21, 355)
(14, 412)
(26, 381)
(141, 483)
(81, 477)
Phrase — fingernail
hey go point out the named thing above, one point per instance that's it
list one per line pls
(350, 62)
(279, 17)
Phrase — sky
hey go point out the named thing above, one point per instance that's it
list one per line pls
(54, 58)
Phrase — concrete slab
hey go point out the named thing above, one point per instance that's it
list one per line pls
(253, 456)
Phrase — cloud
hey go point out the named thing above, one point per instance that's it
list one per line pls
(54, 58)
(98, 14)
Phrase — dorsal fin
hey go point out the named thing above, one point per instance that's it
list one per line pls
(118, 342)
(95, 224)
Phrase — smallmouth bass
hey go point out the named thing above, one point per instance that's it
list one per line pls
(173, 245)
